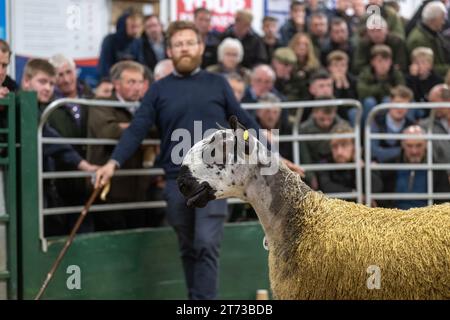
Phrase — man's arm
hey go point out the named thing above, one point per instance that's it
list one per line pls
(103, 122)
(106, 59)
(3, 92)
(65, 153)
(379, 152)
(61, 152)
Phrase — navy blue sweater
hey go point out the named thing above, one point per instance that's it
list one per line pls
(176, 102)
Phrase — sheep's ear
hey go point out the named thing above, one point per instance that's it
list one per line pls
(220, 127)
(235, 124)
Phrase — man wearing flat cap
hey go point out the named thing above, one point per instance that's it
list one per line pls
(284, 61)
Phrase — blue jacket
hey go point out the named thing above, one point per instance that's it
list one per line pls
(287, 31)
(142, 52)
(114, 47)
(53, 153)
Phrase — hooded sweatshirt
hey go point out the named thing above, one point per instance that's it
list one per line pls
(114, 47)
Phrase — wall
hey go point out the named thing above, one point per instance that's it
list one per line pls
(145, 264)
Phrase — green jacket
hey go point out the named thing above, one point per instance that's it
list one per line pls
(103, 123)
(422, 36)
(397, 45)
(294, 89)
(62, 120)
(394, 22)
(370, 86)
(314, 152)
(71, 191)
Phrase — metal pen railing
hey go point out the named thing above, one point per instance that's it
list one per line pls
(41, 140)
(295, 138)
(429, 165)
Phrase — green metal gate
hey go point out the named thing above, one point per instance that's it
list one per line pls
(8, 231)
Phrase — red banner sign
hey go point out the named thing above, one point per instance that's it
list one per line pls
(222, 10)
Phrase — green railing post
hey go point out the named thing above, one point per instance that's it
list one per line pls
(9, 217)
(29, 222)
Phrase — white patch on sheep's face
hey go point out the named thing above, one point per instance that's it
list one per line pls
(226, 160)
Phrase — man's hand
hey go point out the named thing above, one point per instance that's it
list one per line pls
(104, 174)
(124, 125)
(3, 92)
(294, 167)
(414, 69)
(341, 81)
(86, 166)
(104, 90)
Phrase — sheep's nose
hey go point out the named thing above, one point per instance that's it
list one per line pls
(184, 171)
(185, 180)
(196, 194)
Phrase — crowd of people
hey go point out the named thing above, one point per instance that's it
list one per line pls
(317, 54)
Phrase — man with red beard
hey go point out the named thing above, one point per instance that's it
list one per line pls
(188, 94)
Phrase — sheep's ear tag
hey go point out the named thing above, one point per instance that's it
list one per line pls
(246, 142)
(246, 135)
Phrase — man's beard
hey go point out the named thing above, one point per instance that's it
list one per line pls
(187, 63)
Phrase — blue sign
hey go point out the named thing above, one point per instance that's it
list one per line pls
(278, 9)
(2, 19)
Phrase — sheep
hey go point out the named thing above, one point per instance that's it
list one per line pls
(323, 248)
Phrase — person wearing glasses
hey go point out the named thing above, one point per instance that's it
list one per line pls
(175, 102)
(110, 123)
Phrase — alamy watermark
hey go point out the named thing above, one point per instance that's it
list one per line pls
(73, 21)
(374, 280)
(374, 20)
(73, 281)
(230, 147)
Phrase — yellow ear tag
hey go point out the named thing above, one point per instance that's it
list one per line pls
(246, 135)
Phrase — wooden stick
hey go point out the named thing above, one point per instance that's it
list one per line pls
(68, 241)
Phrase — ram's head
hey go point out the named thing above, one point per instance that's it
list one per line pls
(220, 165)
